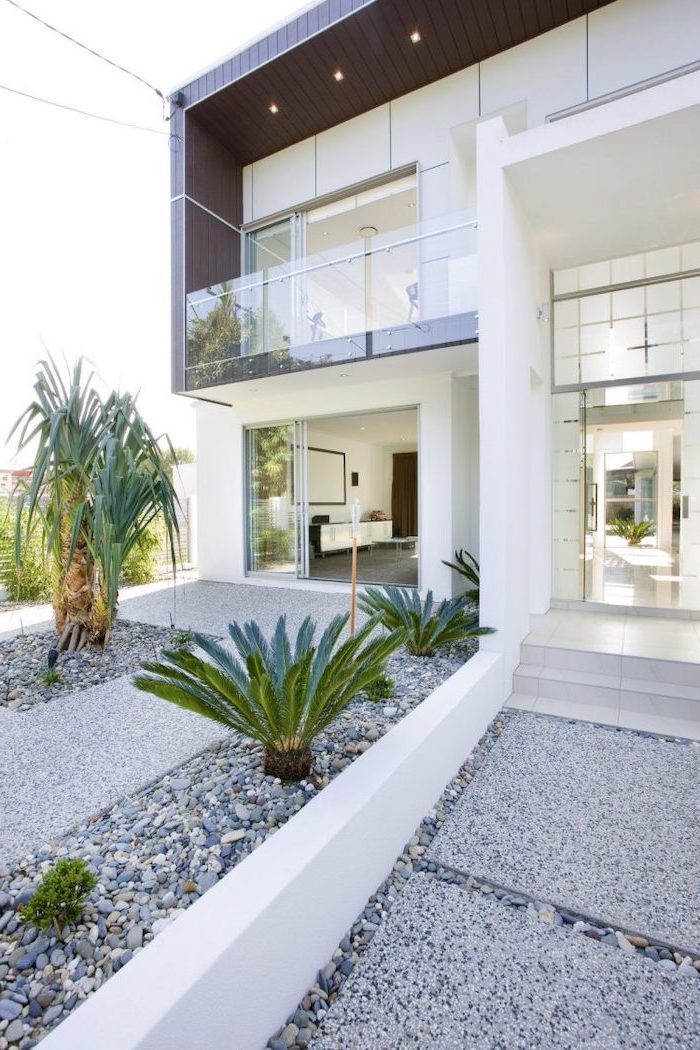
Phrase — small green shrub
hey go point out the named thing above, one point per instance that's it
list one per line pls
(141, 563)
(632, 531)
(468, 567)
(274, 544)
(30, 580)
(184, 639)
(59, 899)
(51, 676)
(427, 626)
(382, 688)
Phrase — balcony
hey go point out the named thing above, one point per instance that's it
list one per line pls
(409, 290)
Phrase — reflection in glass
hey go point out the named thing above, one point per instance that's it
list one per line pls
(630, 486)
(270, 480)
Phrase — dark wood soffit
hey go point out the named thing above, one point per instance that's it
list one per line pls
(373, 49)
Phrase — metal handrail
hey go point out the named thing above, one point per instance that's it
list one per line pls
(472, 224)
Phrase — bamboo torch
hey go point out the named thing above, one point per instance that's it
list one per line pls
(356, 511)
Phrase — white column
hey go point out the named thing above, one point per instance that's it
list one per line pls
(220, 504)
(510, 348)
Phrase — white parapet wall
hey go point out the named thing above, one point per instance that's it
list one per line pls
(228, 972)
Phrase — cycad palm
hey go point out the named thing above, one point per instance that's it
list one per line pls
(280, 694)
(98, 480)
(427, 626)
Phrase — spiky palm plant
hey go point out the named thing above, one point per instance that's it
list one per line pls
(427, 626)
(280, 694)
(98, 480)
(632, 531)
(468, 567)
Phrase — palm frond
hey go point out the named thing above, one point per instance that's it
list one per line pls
(280, 692)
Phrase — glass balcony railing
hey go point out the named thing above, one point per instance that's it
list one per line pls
(412, 289)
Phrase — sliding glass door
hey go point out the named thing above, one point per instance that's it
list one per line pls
(275, 499)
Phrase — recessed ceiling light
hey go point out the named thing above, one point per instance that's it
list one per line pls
(411, 205)
(338, 75)
(325, 233)
(363, 428)
(343, 375)
(415, 37)
(274, 108)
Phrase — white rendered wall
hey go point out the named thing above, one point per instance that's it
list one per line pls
(511, 340)
(465, 469)
(633, 40)
(619, 45)
(368, 461)
(220, 495)
(547, 73)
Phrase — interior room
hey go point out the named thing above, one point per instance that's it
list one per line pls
(633, 504)
(371, 459)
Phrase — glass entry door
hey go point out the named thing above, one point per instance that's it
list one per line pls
(276, 504)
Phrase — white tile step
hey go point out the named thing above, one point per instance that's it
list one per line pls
(570, 683)
(647, 669)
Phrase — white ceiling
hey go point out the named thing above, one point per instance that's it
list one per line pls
(627, 191)
(377, 428)
(455, 360)
(388, 214)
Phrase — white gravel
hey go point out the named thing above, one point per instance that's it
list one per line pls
(450, 970)
(603, 822)
(62, 762)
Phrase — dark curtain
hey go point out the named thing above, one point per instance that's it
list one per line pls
(404, 494)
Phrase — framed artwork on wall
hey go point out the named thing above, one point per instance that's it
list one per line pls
(326, 477)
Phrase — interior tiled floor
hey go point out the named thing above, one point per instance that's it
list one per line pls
(639, 576)
(377, 565)
(621, 633)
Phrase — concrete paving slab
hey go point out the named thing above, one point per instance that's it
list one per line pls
(64, 761)
(451, 971)
(603, 822)
(210, 607)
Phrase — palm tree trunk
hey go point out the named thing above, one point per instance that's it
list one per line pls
(288, 765)
(74, 596)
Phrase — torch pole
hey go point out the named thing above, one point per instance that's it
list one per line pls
(356, 513)
(353, 589)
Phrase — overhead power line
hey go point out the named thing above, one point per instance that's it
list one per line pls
(82, 112)
(103, 58)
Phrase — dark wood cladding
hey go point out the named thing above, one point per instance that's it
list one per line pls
(177, 303)
(294, 66)
(212, 250)
(213, 175)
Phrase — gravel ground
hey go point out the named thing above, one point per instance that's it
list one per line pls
(23, 658)
(210, 607)
(603, 822)
(450, 969)
(157, 850)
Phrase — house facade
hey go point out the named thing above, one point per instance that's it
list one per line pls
(438, 265)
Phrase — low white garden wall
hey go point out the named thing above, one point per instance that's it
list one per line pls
(228, 972)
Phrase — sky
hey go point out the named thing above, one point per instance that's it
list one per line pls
(84, 205)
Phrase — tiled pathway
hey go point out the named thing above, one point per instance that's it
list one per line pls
(603, 823)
